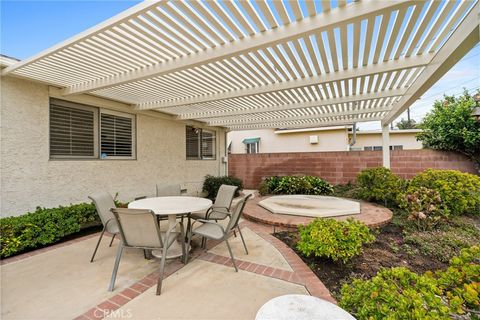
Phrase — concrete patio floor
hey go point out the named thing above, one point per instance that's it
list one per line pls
(61, 283)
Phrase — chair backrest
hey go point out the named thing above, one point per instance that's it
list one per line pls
(138, 228)
(237, 213)
(224, 197)
(168, 190)
(103, 203)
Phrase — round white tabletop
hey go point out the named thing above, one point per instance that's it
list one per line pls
(301, 307)
(172, 205)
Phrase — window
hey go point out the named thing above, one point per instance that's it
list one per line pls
(200, 144)
(72, 130)
(252, 147)
(116, 134)
(83, 132)
(380, 148)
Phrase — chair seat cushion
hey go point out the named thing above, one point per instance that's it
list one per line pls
(209, 230)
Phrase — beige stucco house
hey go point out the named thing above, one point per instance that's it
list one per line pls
(339, 138)
(116, 148)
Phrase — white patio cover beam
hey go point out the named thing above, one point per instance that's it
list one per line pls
(389, 66)
(242, 121)
(353, 13)
(462, 40)
(295, 106)
(309, 124)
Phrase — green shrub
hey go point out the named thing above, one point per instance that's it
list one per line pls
(43, 226)
(336, 240)
(460, 283)
(396, 293)
(309, 185)
(425, 207)
(212, 184)
(460, 192)
(399, 293)
(379, 185)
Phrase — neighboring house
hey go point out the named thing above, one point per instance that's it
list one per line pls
(338, 138)
(58, 150)
(399, 140)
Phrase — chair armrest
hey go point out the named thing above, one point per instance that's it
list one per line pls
(212, 223)
(213, 208)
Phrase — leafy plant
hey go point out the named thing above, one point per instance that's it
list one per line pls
(43, 227)
(450, 126)
(426, 208)
(379, 185)
(459, 192)
(399, 293)
(309, 185)
(211, 184)
(336, 240)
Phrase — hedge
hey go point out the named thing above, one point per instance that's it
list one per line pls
(212, 184)
(43, 227)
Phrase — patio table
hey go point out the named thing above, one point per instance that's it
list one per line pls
(172, 207)
(300, 307)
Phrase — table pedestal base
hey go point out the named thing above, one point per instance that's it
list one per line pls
(175, 249)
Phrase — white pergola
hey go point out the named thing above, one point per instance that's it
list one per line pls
(249, 65)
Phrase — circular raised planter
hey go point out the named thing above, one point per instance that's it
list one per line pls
(371, 214)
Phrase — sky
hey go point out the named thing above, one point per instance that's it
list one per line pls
(28, 27)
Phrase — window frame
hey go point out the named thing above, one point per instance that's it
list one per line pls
(134, 134)
(199, 145)
(97, 130)
(79, 106)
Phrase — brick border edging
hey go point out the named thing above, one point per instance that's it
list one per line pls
(308, 278)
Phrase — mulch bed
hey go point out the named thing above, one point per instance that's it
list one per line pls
(385, 252)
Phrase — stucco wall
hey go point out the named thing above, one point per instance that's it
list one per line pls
(29, 179)
(406, 139)
(271, 142)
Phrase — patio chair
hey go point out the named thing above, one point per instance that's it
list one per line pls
(167, 190)
(139, 229)
(103, 203)
(215, 231)
(221, 207)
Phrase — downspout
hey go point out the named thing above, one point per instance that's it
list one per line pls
(354, 136)
(225, 159)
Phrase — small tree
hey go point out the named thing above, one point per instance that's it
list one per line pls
(406, 124)
(451, 127)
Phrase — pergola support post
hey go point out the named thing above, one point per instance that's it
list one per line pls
(386, 146)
